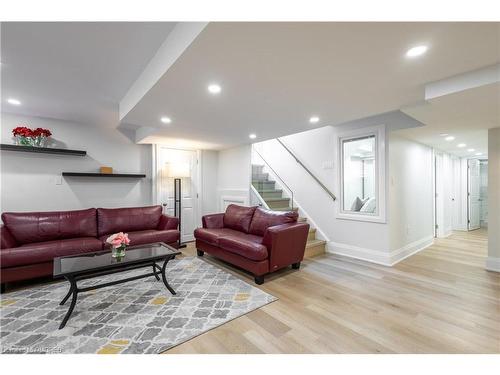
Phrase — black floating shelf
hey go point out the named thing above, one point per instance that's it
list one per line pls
(78, 174)
(42, 150)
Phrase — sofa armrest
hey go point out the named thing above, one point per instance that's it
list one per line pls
(286, 244)
(213, 221)
(6, 238)
(168, 222)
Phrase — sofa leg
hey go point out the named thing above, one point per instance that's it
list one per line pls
(2, 288)
(199, 253)
(259, 280)
(296, 266)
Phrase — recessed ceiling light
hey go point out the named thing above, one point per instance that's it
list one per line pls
(252, 136)
(166, 120)
(461, 145)
(314, 120)
(13, 101)
(470, 149)
(479, 153)
(449, 138)
(416, 51)
(214, 88)
(443, 134)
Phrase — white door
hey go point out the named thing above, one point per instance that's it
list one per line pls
(439, 195)
(474, 182)
(165, 188)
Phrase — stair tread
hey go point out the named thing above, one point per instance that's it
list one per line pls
(284, 209)
(312, 243)
(270, 191)
(276, 199)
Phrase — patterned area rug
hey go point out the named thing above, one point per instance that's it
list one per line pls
(135, 317)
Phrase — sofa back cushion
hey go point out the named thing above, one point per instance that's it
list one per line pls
(263, 219)
(113, 220)
(29, 227)
(238, 217)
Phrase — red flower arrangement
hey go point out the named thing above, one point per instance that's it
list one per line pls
(22, 131)
(40, 132)
(29, 137)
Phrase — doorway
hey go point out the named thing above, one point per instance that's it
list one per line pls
(444, 194)
(164, 186)
(473, 194)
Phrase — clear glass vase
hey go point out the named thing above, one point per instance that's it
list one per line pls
(22, 141)
(39, 141)
(118, 252)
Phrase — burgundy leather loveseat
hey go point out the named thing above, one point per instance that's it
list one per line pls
(31, 240)
(257, 240)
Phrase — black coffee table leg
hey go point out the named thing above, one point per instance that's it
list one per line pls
(74, 292)
(70, 291)
(155, 266)
(165, 278)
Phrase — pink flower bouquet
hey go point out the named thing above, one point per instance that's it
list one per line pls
(118, 242)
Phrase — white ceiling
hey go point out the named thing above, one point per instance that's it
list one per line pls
(274, 76)
(75, 71)
(467, 115)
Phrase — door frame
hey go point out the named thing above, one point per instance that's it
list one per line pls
(198, 180)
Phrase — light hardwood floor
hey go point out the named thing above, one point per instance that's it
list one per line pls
(440, 300)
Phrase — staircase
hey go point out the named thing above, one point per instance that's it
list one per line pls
(277, 201)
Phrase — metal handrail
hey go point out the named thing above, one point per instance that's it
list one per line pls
(307, 170)
(276, 174)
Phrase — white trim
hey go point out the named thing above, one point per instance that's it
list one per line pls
(236, 199)
(493, 264)
(378, 256)
(380, 183)
(351, 251)
(410, 249)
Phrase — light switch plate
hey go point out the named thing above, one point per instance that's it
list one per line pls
(58, 180)
(327, 165)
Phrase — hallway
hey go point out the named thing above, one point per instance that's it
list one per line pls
(440, 300)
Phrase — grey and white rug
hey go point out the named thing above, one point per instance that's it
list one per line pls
(136, 317)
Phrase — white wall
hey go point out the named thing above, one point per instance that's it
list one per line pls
(233, 176)
(410, 196)
(209, 168)
(493, 261)
(29, 181)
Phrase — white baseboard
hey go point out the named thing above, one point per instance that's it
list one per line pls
(410, 249)
(351, 251)
(493, 264)
(378, 256)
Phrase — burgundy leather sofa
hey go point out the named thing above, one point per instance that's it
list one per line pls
(31, 240)
(257, 240)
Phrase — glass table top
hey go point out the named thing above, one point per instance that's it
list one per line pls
(103, 259)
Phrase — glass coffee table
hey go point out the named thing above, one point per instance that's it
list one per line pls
(84, 266)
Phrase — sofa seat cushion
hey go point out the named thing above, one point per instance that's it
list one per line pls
(212, 236)
(41, 252)
(245, 247)
(144, 237)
